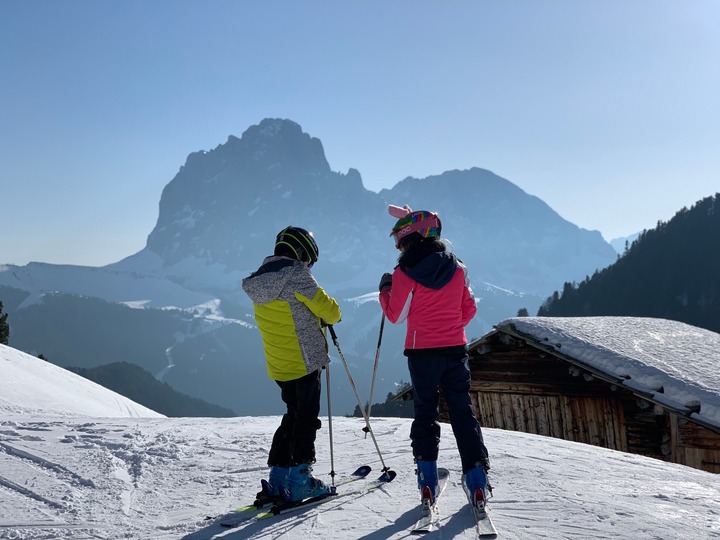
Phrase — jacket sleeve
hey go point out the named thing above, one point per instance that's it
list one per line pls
(307, 291)
(469, 308)
(395, 302)
(322, 306)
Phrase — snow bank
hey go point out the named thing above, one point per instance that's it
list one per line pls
(29, 384)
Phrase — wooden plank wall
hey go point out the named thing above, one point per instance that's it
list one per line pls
(695, 445)
(596, 421)
(522, 390)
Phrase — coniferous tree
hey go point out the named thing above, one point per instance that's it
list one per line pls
(4, 327)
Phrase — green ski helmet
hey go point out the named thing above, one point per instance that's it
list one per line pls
(299, 242)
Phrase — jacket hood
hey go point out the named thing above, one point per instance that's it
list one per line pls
(434, 271)
(267, 282)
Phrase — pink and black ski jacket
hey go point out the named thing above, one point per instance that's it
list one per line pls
(435, 298)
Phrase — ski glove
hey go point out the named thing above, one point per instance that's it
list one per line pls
(385, 282)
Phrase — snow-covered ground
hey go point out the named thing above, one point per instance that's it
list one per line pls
(100, 475)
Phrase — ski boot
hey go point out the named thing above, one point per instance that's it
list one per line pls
(302, 484)
(476, 486)
(427, 480)
(275, 488)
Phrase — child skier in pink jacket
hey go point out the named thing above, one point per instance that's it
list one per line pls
(430, 290)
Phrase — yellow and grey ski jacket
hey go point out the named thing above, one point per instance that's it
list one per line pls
(289, 309)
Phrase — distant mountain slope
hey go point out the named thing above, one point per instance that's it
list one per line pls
(192, 325)
(505, 236)
(624, 242)
(670, 272)
(139, 385)
(195, 351)
(76, 330)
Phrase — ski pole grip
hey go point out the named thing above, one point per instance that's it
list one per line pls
(332, 332)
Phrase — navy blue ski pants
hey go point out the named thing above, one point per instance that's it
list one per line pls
(294, 440)
(451, 372)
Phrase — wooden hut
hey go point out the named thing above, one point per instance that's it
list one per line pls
(639, 385)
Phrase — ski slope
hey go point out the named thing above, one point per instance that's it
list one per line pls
(115, 474)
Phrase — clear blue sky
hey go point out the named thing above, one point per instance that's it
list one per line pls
(608, 110)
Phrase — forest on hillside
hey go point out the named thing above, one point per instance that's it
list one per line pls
(670, 272)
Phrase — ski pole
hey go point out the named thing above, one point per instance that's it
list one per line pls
(332, 457)
(362, 408)
(372, 384)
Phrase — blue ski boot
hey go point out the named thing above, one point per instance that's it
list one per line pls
(476, 486)
(302, 484)
(275, 487)
(427, 477)
(278, 480)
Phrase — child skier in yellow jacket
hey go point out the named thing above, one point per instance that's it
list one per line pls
(290, 310)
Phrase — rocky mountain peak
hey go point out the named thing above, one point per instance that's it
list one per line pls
(277, 142)
(230, 200)
(225, 206)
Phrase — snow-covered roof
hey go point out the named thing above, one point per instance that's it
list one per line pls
(671, 363)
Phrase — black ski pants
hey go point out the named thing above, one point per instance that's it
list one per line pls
(294, 440)
(428, 373)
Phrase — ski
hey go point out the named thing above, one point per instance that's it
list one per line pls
(282, 506)
(287, 507)
(429, 512)
(483, 524)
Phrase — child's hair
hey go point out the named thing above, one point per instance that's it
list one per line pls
(415, 248)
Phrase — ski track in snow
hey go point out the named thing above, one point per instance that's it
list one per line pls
(148, 478)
